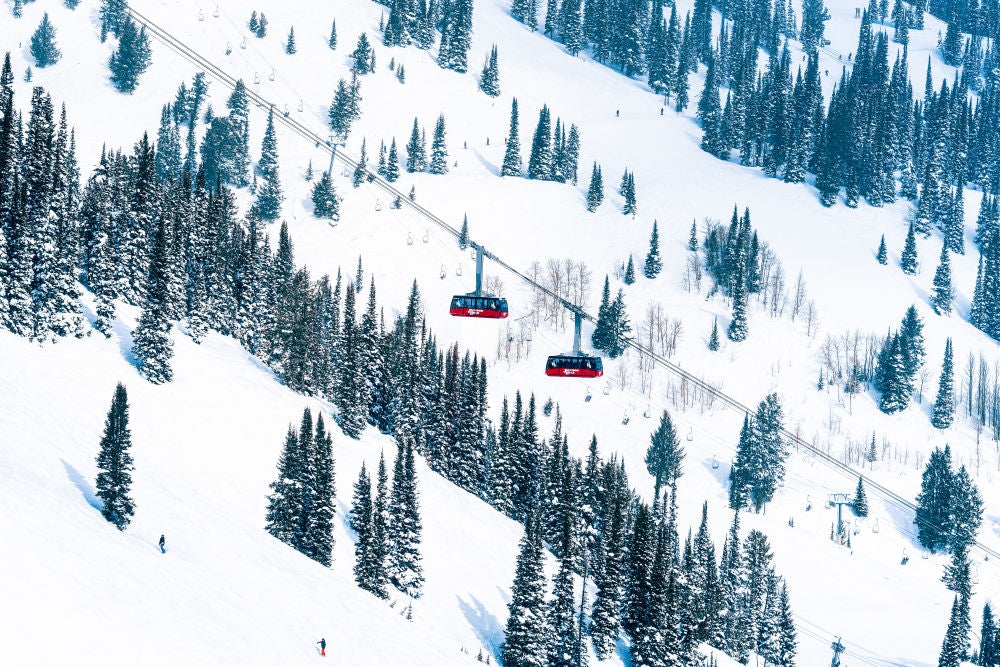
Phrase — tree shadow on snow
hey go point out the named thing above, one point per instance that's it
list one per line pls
(83, 485)
(486, 625)
(124, 338)
(490, 166)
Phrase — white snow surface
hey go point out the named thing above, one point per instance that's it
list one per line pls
(207, 444)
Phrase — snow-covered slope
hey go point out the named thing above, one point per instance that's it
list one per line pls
(207, 444)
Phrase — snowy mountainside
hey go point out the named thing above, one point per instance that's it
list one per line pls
(522, 222)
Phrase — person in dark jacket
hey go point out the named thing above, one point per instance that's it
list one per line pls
(322, 646)
(163, 541)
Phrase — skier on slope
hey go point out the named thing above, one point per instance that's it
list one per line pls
(322, 646)
(163, 541)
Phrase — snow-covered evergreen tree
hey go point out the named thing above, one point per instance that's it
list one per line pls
(526, 639)
(151, 343)
(439, 150)
(860, 502)
(489, 80)
(43, 44)
(942, 296)
(654, 264)
(882, 256)
(269, 196)
(908, 260)
(131, 58)
(595, 192)
(944, 404)
(114, 481)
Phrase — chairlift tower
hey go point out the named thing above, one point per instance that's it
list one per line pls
(838, 648)
(480, 251)
(840, 499)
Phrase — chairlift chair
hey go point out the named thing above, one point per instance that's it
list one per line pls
(216, 12)
(229, 48)
(444, 273)
(427, 236)
(256, 77)
(286, 111)
(271, 75)
(646, 413)
(201, 15)
(588, 397)
(875, 526)
(302, 106)
(378, 204)
(607, 389)
(243, 44)
(409, 238)
(458, 270)
(690, 435)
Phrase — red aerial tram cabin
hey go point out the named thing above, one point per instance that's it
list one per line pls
(468, 305)
(570, 365)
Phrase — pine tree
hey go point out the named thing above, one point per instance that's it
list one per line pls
(562, 617)
(456, 38)
(665, 454)
(908, 260)
(540, 160)
(361, 522)
(43, 44)
(262, 27)
(363, 56)
(814, 18)
(392, 163)
(114, 481)
(988, 638)
(628, 191)
(527, 634)
(152, 347)
(290, 44)
(942, 296)
(489, 81)
(318, 539)
(512, 153)
(713, 339)
(284, 506)
(693, 238)
(951, 47)
(269, 196)
(463, 235)
(380, 535)
(738, 325)
(606, 614)
(653, 264)
(629, 278)
(439, 151)
(131, 58)
(415, 155)
(944, 404)
(934, 501)
(955, 639)
(333, 36)
(595, 192)
(361, 168)
(710, 114)
(325, 202)
(955, 231)
(405, 569)
(353, 411)
(599, 339)
(860, 502)
(882, 256)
